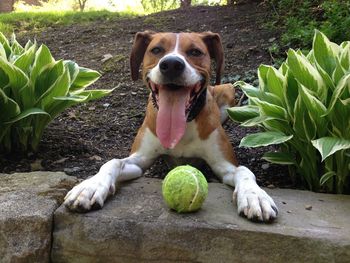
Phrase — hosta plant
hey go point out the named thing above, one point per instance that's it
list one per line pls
(34, 89)
(304, 107)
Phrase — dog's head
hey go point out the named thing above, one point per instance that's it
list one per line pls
(176, 68)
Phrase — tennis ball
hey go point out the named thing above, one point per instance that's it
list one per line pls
(184, 189)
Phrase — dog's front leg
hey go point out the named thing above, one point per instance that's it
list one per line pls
(252, 201)
(93, 192)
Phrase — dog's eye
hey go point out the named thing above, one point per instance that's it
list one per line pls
(194, 52)
(156, 50)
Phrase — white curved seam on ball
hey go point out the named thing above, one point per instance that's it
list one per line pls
(197, 191)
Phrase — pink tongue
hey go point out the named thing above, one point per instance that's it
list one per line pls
(171, 118)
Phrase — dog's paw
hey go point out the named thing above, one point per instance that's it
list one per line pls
(89, 194)
(254, 203)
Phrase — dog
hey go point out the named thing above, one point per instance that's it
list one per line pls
(183, 120)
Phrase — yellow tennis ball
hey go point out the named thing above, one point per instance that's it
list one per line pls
(185, 189)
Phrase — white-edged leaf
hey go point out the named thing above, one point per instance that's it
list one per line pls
(249, 90)
(43, 58)
(345, 57)
(9, 108)
(325, 52)
(262, 76)
(338, 91)
(279, 158)
(27, 113)
(25, 60)
(271, 110)
(329, 145)
(264, 139)
(2, 52)
(276, 82)
(256, 121)
(313, 104)
(17, 78)
(243, 113)
(324, 178)
(84, 78)
(306, 73)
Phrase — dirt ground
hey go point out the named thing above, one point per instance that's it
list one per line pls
(81, 139)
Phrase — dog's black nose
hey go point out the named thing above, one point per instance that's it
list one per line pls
(171, 67)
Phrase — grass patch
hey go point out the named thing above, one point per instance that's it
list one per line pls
(298, 19)
(37, 21)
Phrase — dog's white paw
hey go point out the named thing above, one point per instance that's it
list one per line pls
(254, 203)
(90, 193)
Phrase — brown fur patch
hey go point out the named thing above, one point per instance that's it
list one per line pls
(224, 94)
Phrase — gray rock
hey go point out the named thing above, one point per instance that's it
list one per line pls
(265, 166)
(136, 226)
(27, 203)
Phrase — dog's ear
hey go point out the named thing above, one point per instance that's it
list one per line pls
(213, 43)
(141, 42)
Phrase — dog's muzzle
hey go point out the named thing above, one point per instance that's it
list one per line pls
(172, 67)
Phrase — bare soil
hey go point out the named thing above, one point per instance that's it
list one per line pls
(81, 139)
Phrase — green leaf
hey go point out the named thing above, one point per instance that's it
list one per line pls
(309, 126)
(25, 60)
(262, 75)
(298, 124)
(27, 96)
(306, 74)
(338, 72)
(5, 43)
(94, 94)
(243, 113)
(264, 139)
(256, 121)
(324, 178)
(17, 78)
(276, 82)
(327, 78)
(3, 52)
(16, 47)
(84, 78)
(27, 113)
(249, 90)
(329, 145)
(313, 105)
(4, 80)
(343, 84)
(29, 44)
(46, 78)
(271, 110)
(345, 57)
(283, 69)
(59, 88)
(324, 52)
(279, 158)
(9, 108)
(75, 98)
(73, 69)
(43, 58)
(291, 92)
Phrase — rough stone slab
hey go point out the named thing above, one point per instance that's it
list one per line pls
(136, 226)
(27, 204)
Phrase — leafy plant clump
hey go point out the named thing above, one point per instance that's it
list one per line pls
(304, 106)
(34, 89)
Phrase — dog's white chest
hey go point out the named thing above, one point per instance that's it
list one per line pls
(190, 145)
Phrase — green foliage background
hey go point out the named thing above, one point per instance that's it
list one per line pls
(297, 19)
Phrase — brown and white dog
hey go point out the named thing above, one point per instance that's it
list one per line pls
(183, 120)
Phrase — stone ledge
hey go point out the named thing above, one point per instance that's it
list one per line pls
(27, 204)
(136, 226)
